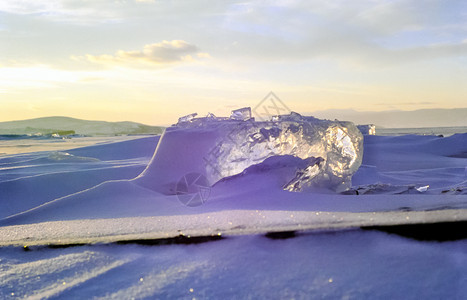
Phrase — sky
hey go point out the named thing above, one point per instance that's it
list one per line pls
(154, 61)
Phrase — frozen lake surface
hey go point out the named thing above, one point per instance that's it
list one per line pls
(88, 194)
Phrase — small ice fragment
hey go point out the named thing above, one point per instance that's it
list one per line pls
(369, 129)
(57, 155)
(187, 118)
(422, 189)
(211, 116)
(293, 117)
(241, 114)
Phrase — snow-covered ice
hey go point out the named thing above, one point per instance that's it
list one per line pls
(344, 265)
(101, 194)
(30, 179)
(107, 181)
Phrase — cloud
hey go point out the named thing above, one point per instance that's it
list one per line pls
(363, 53)
(365, 34)
(91, 13)
(68, 11)
(165, 52)
(27, 6)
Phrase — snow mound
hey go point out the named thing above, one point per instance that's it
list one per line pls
(32, 179)
(221, 147)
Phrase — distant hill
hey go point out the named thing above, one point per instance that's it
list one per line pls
(48, 125)
(398, 118)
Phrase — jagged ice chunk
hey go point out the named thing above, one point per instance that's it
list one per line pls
(187, 118)
(241, 114)
(220, 148)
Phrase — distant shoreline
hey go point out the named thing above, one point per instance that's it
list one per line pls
(445, 131)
